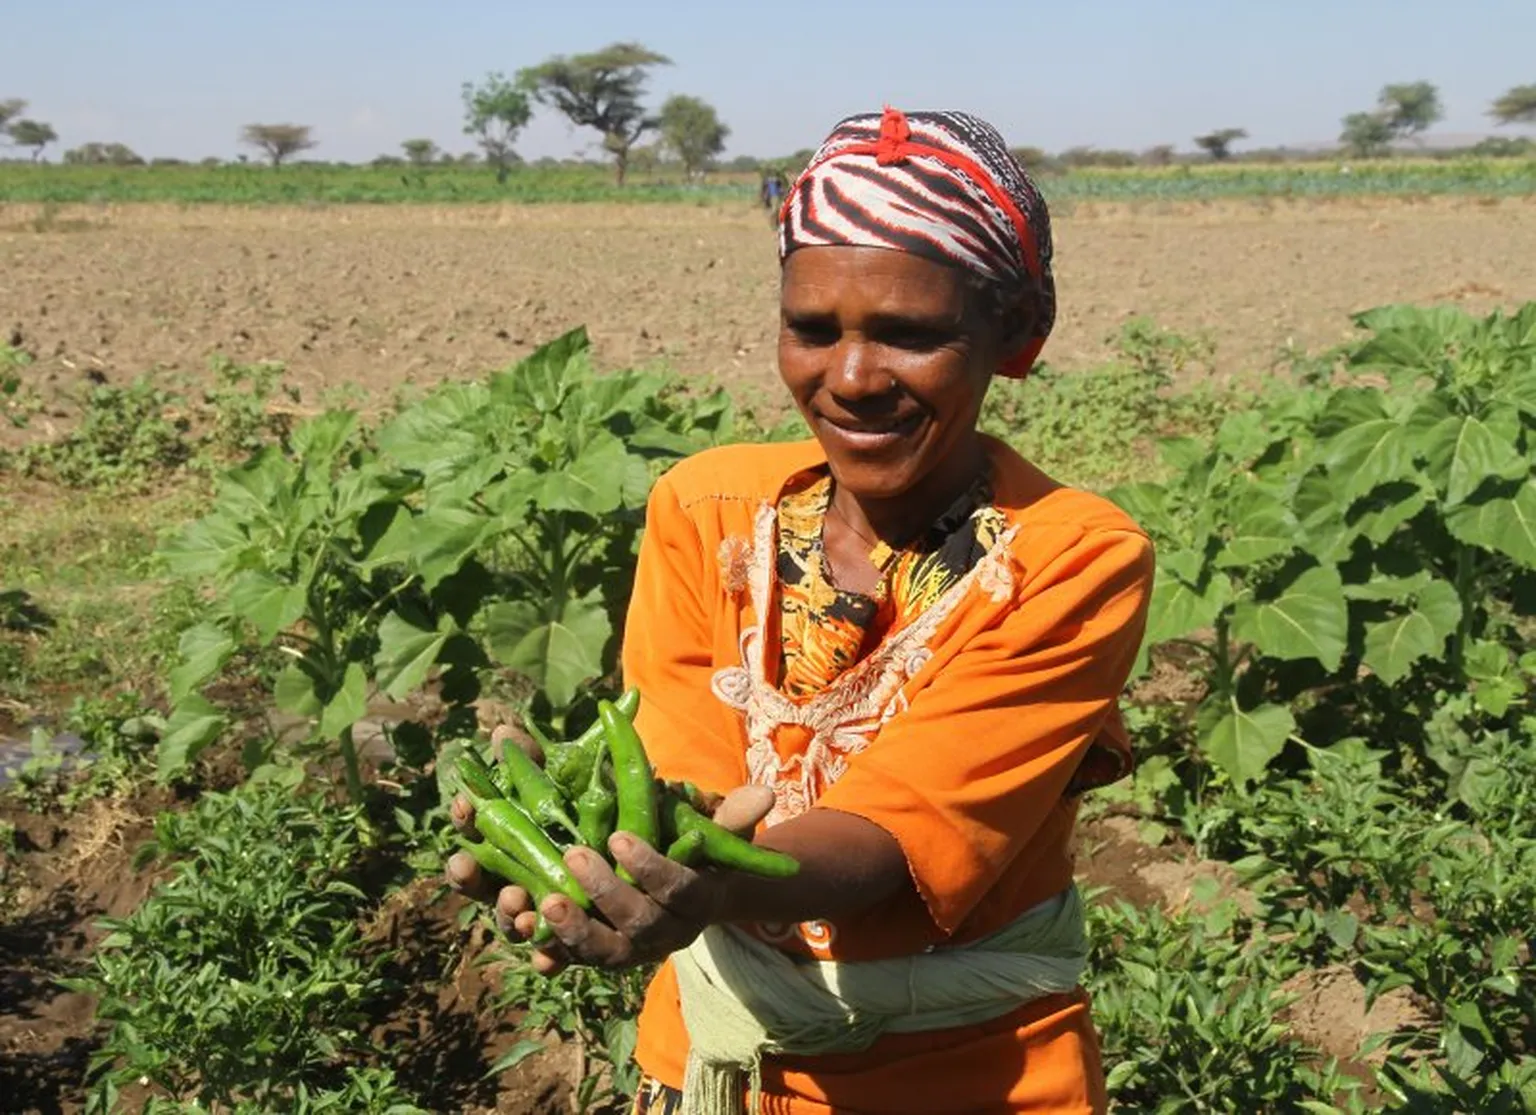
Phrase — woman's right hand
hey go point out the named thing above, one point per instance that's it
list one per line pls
(516, 916)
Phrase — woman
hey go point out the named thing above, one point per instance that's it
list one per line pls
(905, 644)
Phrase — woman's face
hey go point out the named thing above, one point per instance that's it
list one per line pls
(888, 359)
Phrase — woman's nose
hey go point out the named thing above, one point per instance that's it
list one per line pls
(857, 371)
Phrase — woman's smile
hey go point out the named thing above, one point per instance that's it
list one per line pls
(870, 435)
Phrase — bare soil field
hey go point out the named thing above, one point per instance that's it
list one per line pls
(382, 296)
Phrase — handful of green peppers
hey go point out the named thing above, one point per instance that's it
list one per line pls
(588, 789)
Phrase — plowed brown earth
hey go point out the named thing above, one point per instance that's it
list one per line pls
(381, 296)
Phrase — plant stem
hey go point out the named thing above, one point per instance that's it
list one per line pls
(1223, 656)
(1465, 575)
(350, 767)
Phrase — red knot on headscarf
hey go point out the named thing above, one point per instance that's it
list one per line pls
(942, 185)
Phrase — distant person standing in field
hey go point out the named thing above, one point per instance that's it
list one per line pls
(896, 651)
(771, 193)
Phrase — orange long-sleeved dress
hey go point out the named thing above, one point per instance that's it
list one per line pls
(964, 731)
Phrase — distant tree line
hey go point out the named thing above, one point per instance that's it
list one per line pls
(605, 91)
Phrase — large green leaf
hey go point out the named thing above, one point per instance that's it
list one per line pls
(558, 655)
(1308, 619)
(389, 538)
(320, 440)
(1243, 742)
(593, 483)
(541, 380)
(1461, 453)
(635, 482)
(265, 602)
(259, 490)
(1320, 514)
(1262, 527)
(294, 691)
(357, 490)
(1147, 503)
(1178, 608)
(348, 704)
(1244, 434)
(1379, 515)
(210, 546)
(1518, 389)
(1399, 590)
(1394, 645)
(194, 723)
(1181, 454)
(1503, 524)
(406, 653)
(443, 539)
(1409, 338)
(1371, 453)
(427, 437)
(203, 649)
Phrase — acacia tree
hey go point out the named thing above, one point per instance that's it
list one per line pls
(419, 151)
(692, 130)
(1410, 108)
(10, 109)
(601, 90)
(494, 112)
(278, 141)
(1517, 106)
(34, 134)
(1367, 134)
(1218, 144)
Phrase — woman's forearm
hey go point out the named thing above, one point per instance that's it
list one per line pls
(847, 864)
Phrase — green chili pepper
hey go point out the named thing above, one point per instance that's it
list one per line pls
(531, 726)
(537, 793)
(510, 827)
(572, 768)
(723, 847)
(476, 776)
(632, 777)
(687, 848)
(595, 811)
(493, 859)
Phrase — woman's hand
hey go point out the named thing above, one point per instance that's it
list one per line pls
(669, 907)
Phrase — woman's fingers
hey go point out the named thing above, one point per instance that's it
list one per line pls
(677, 889)
(464, 875)
(505, 734)
(743, 809)
(550, 961)
(462, 813)
(585, 939)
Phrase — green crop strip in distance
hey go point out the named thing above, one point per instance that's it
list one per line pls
(241, 184)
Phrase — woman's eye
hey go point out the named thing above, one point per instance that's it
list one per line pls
(813, 333)
(916, 339)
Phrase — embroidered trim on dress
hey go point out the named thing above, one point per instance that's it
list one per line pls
(843, 719)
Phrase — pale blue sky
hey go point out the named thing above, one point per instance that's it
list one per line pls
(179, 77)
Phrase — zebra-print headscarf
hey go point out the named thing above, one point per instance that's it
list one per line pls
(937, 184)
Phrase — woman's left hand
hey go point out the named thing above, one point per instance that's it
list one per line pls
(668, 907)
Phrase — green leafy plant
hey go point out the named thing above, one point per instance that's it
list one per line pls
(19, 399)
(488, 524)
(593, 1008)
(125, 437)
(1355, 536)
(1098, 427)
(240, 979)
(1190, 1018)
